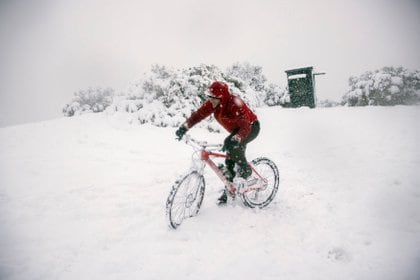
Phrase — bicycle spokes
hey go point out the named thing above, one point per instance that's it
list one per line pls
(185, 199)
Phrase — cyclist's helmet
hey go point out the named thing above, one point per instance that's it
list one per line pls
(219, 90)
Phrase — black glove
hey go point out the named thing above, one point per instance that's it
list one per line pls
(230, 143)
(180, 132)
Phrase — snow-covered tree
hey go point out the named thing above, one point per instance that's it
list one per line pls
(90, 100)
(245, 73)
(166, 97)
(246, 78)
(387, 86)
(276, 95)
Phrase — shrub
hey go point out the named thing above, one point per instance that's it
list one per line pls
(325, 103)
(90, 100)
(385, 87)
(166, 97)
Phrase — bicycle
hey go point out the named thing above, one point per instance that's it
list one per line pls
(187, 193)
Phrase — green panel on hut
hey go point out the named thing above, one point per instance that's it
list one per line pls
(301, 87)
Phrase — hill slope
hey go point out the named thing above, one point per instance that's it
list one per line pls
(83, 198)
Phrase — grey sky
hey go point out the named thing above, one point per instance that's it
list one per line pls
(50, 49)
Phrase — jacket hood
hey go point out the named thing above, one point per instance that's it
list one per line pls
(220, 90)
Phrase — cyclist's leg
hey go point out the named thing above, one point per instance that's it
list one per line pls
(255, 130)
(238, 154)
(230, 166)
(229, 173)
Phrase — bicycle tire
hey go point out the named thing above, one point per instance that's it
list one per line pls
(185, 199)
(269, 171)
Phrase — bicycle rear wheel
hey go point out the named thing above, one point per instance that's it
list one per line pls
(185, 198)
(264, 193)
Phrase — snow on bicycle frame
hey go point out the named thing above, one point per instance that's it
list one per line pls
(203, 153)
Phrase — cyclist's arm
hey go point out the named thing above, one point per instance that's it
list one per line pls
(203, 112)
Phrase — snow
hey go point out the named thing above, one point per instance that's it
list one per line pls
(297, 76)
(84, 198)
(394, 89)
(397, 81)
(381, 80)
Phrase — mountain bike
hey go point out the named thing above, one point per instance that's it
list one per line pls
(187, 193)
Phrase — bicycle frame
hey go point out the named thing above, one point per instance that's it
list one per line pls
(187, 193)
(205, 156)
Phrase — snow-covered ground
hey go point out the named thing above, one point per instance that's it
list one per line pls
(84, 198)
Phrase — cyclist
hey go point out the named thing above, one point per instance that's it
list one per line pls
(237, 118)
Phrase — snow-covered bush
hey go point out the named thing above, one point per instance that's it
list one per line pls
(276, 95)
(250, 80)
(325, 103)
(387, 86)
(166, 97)
(89, 100)
(247, 78)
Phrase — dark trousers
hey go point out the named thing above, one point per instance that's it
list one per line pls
(237, 155)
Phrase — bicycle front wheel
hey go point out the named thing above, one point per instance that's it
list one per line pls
(266, 175)
(185, 198)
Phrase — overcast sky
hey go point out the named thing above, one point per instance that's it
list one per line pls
(50, 49)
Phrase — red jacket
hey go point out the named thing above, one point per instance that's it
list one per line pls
(232, 113)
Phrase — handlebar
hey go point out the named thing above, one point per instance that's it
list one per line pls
(198, 145)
